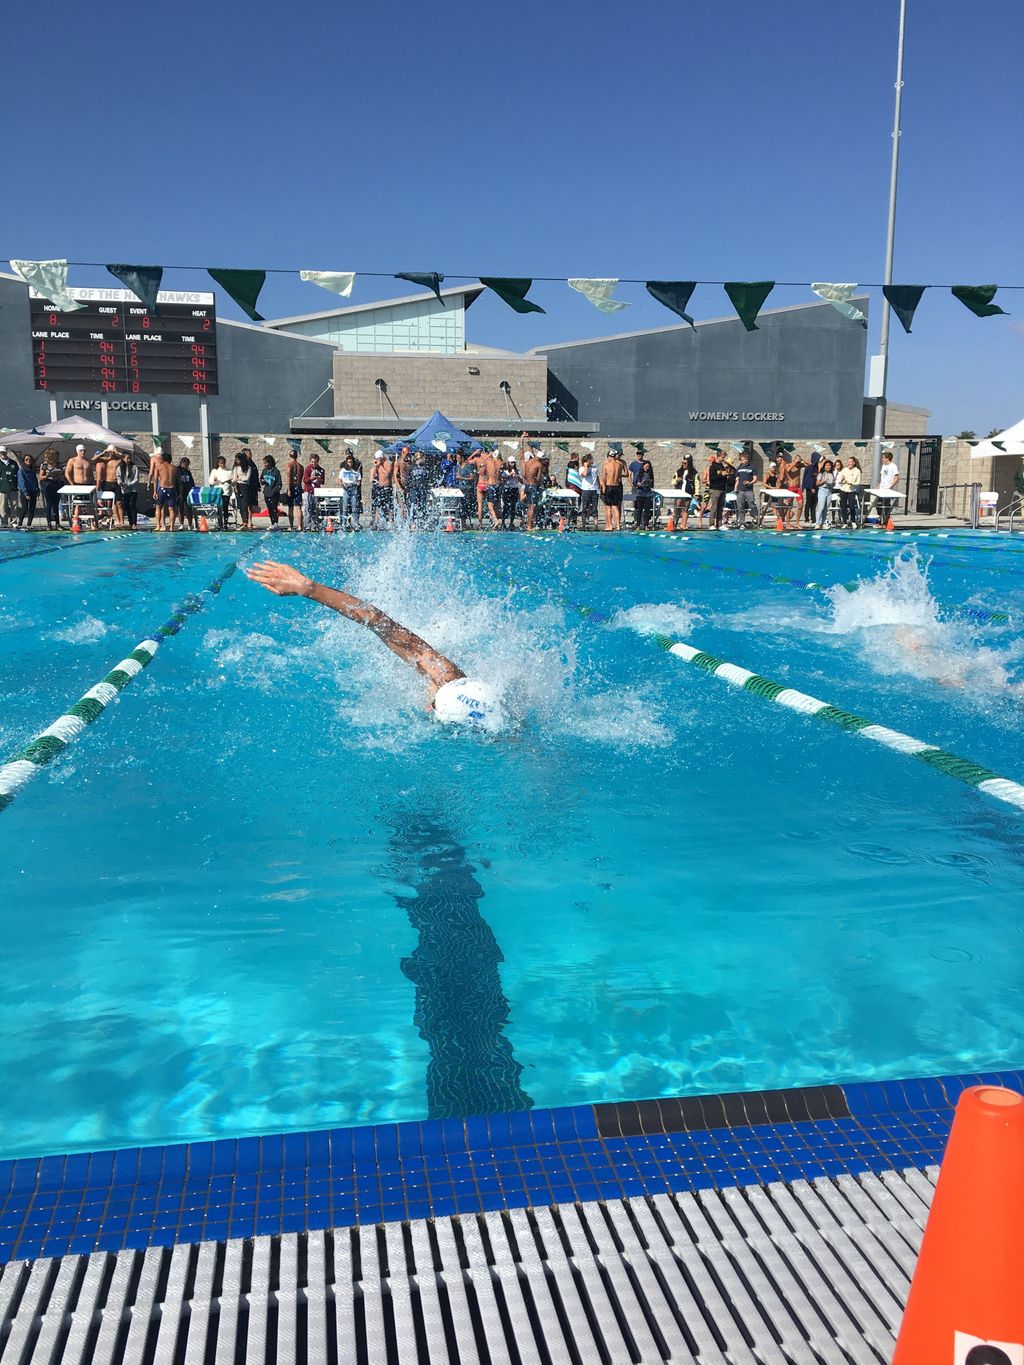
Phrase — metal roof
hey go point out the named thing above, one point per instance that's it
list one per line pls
(471, 292)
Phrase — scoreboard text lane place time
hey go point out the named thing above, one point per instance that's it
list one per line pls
(114, 344)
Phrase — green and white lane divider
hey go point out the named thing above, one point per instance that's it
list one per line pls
(75, 544)
(50, 743)
(973, 774)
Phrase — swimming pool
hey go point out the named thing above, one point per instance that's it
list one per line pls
(266, 892)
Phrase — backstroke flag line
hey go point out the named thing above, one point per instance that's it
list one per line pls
(838, 296)
(51, 279)
(243, 286)
(674, 295)
(431, 281)
(978, 298)
(142, 280)
(748, 297)
(599, 292)
(513, 291)
(903, 300)
(337, 281)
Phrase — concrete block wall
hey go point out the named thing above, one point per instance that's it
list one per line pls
(417, 385)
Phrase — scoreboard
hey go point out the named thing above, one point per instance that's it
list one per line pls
(114, 344)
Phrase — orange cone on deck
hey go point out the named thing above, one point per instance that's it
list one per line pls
(778, 523)
(203, 524)
(330, 526)
(76, 525)
(670, 525)
(561, 522)
(966, 1302)
(889, 524)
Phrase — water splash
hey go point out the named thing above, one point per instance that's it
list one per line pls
(894, 622)
(656, 618)
(82, 632)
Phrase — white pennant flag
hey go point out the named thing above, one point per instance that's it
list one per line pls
(51, 280)
(512, 445)
(337, 281)
(738, 446)
(589, 445)
(665, 444)
(186, 440)
(818, 450)
(442, 446)
(837, 295)
(599, 292)
(269, 440)
(352, 440)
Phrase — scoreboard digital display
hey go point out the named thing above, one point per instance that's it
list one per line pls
(114, 344)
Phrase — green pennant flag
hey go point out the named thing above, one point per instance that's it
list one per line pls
(978, 298)
(690, 445)
(430, 281)
(860, 443)
(748, 298)
(788, 447)
(767, 448)
(835, 447)
(713, 445)
(159, 438)
(243, 286)
(903, 300)
(67, 435)
(513, 292)
(142, 280)
(562, 445)
(999, 445)
(382, 442)
(674, 295)
(324, 444)
(243, 439)
(639, 447)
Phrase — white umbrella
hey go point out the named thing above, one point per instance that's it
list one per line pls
(1011, 440)
(69, 431)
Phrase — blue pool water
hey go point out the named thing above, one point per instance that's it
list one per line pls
(265, 891)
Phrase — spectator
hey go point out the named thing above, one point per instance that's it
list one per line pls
(8, 487)
(220, 477)
(825, 485)
(849, 483)
(449, 464)
(246, 484)
(718, 479)
(78, 469)
(809, 487)
(572, 481)
(533, 474)
(418, 483)
(465, 482)
(51, 481)
(589, 488)
(513, 490)
(351, 483)
(687, 480)
(186, 483)
(28, 492)
(794, 483)
(613, 471)
(888, 478)
(292, 483)
(643, 493)
(746, 505)
(382, 493)
(126, 476)
(163, 485)
(313, 477)
(271, 481)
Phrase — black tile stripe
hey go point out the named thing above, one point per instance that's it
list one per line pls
(737, 1109)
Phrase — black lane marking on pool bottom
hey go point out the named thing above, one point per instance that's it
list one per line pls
(461, 1010)
(742, 1109)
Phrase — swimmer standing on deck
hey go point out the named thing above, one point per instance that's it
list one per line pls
(454, 698)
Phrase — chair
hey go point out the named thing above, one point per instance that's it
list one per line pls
(80, 499)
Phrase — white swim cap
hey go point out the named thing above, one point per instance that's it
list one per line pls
(466, 701)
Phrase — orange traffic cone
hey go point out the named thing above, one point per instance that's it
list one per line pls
(965, 1302)
(778, 523)
(76, 525)
(450, 525)
(202, 523)
(561, 522)
(670, 525)
(330, 526)
(888, 525)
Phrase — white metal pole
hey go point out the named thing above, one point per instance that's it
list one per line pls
(204, 439)
(104, 415)
(155, 414)
(53, 409)
(890, 243)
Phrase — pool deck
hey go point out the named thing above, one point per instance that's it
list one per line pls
(776, 1226)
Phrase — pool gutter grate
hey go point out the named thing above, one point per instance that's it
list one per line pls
(810, 1273)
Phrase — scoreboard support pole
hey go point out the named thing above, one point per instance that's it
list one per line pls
(53, 409)
(154, 411)
(204, 439)
(104, 415)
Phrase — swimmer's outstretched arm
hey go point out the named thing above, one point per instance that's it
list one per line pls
(285, 581)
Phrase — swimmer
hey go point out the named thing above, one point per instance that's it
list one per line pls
(454, 698)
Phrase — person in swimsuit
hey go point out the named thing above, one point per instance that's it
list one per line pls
(613, 471)
(293, 491)
(382, 495)
(454, 698)
(163, 485)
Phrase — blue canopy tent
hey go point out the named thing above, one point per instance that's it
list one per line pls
(437, 435)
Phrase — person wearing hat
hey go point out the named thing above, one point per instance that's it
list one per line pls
(8, 488)
(453, 698)
(382, 492)
(79, 468)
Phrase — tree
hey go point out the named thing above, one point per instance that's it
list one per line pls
(966, 435)
(990, 434)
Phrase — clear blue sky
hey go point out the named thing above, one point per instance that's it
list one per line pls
(709, 139)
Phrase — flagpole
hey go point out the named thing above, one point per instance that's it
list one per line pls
(890, 242)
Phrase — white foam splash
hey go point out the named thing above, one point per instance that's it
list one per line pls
(82, 632)
(656, 618)
(893, 621)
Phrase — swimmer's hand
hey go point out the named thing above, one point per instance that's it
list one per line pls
(281, 579)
